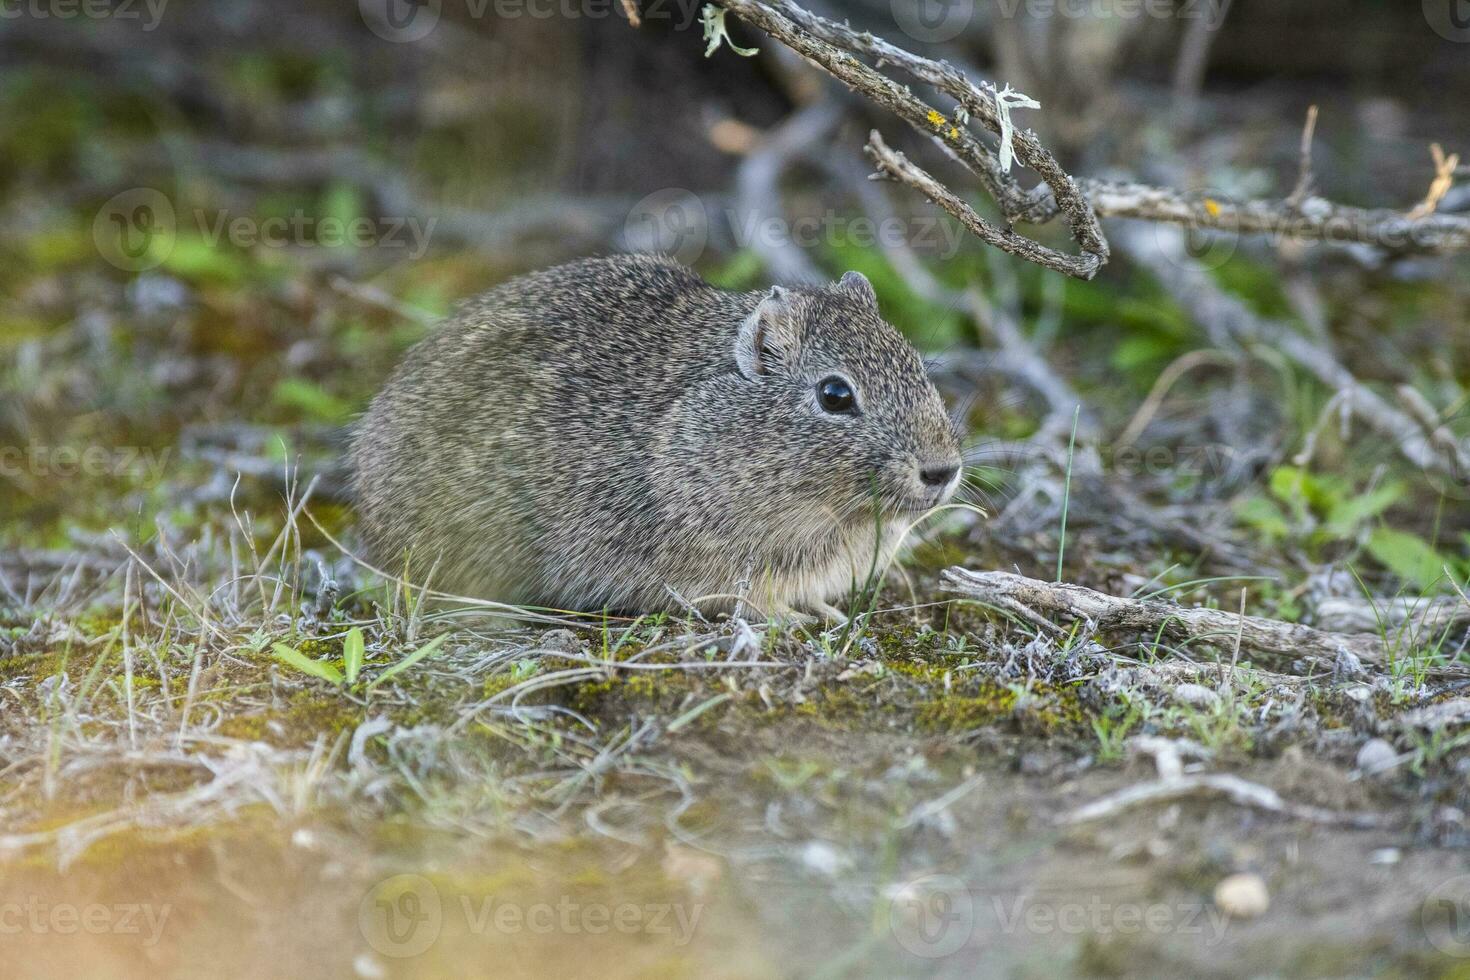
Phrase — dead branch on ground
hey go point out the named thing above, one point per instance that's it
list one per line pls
(1033, 599)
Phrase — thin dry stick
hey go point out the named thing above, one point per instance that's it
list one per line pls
(895, 166)
(1033, 598)
(1304, 170)
(1166, 380)
(1444, 178)
(1316, 219)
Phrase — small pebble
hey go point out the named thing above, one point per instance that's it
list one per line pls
(1385, 855)
(1376, 756)
(1196, 696)
(368, 968)
(1242, 896)
(562, 640)
(823, 858)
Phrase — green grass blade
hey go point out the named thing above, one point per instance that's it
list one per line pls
(696, 711)
(305, 664)
(1067, 490)
(352, 650)
(409, 660)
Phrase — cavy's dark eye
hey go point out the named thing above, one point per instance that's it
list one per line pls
(835, 395)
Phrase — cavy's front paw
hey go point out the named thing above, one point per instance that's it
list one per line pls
(830, 613)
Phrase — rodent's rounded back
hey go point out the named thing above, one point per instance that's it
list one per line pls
(601, 433)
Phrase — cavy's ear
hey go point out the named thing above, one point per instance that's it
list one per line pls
(769, 336)
(856, 285)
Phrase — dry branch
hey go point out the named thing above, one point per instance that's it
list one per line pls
(894, 165)
(837, 49)
(1033, 599)
(1239, 791)
(1230, 323)
(1313, 219)
(1426, 618)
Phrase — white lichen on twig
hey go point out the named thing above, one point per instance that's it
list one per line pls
(1005, 100)
(712, 19)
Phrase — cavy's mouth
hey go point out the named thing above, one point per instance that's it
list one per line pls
(898, 492)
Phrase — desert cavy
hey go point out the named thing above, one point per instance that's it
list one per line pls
(619, 434)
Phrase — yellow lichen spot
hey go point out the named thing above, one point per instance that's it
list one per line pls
(936, 119)
(1213, 207)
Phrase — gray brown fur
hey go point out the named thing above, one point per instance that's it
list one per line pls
(596, 435)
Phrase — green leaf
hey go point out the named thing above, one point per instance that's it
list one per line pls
(305, 664)
(1138, 352)
(352, 648)
(1344, 516)
(342, 202)
(196, 259)
(742, 270)
(1265, 516)
(1291, 483)
(409, 660)
(1408, 556)
(311, 400)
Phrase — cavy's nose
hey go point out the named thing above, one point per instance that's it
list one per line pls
(937, 474)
